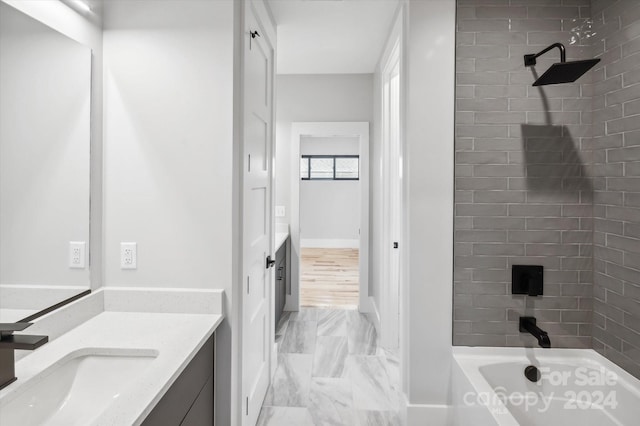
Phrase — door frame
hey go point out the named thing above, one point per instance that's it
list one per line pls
(359, 129)
(391, 64)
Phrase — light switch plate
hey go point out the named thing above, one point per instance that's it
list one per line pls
(280, 211)
(128, 255)
(77, 254)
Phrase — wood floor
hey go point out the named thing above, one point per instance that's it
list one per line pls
(329, 277)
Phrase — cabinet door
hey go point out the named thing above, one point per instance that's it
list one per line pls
(281, 281)
(201, 412)
(189, 387)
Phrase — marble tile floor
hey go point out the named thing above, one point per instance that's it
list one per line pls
(331, 371)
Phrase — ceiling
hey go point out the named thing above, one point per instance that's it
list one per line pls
(331, 36)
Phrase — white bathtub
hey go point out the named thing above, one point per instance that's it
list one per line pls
(577, 387)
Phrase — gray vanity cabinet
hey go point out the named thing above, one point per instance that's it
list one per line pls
(282, 277)
(189, 401)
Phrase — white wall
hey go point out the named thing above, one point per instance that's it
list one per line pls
(329, 210)
(429, 151)
(46, 72)
(87, 30)
(168, 115)
(168, 133)
(308, 98)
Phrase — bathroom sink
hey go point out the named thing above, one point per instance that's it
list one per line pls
(76, 389)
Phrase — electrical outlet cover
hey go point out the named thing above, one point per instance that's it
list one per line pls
(128, 256)
(77, 254)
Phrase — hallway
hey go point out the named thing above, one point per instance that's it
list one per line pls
(329, 278)
(331, 372)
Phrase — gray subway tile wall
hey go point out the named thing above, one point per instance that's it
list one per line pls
(616, 181)
(548, 175)
(523, 195)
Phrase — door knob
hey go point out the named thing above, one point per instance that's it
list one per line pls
(270, 262)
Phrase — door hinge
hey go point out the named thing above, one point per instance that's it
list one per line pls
(247, 413)
(248, 285)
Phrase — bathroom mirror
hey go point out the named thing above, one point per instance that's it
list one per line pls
(45, 97)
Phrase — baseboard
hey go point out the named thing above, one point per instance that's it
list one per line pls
(374, 315)
(427, 414)
(329, 243)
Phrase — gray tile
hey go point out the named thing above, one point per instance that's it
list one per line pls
(484, 12)
(555, 12)
(536, 25)
(362, 336)
(482, 131)
(378, 418)
(481, 183)
(281, 328)
(284, 416)
(516, 236)
(486, 236)
(300, 337)
(330, 356)
(479, 314)
(501, 170)
(485, 78)
(481, 158)
(332, 322)
(500, 117)
(393, 369)
(505, 38)
(330, 401)
(291, 381)
(370, 383)
(501, 197)
(482, 104)
(543, 165)
(502, 91)
(305, 314)
(483, 25)
(297, 398)
(499, 249)
(621, 95)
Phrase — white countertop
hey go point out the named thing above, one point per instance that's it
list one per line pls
(281, 235)
(176, 338)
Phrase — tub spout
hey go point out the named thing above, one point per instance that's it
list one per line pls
(544, 341)
(528, 324)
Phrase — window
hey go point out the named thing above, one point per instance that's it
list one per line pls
(320, 168)
(330, 167)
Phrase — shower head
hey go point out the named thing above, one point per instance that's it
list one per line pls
(565, 72)
(560, 72)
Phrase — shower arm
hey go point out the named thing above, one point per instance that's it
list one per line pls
(530, 60)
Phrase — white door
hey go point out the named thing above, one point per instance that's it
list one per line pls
(392, 201)
(395, 193)
(257, 232)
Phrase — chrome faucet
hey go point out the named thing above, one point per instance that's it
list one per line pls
(528, 324)
(9, 342)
